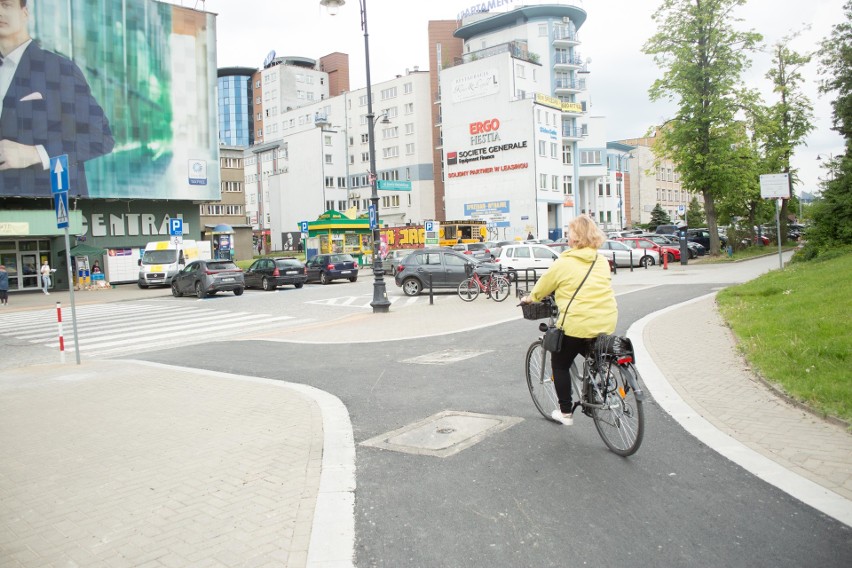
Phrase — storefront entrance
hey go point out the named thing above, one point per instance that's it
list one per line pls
(23, 262)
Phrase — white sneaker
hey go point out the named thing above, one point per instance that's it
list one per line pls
(565, 419)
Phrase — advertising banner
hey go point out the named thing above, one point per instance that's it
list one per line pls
(125, 89)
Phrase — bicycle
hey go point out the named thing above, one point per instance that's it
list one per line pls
(495, 287)
(607, 389)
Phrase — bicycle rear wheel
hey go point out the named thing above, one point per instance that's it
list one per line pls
(620, 420)
(468, 290)
(542, 390)
(499, 287)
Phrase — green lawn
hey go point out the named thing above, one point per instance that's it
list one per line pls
(794, 328)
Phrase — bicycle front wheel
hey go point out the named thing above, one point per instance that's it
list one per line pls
(540, 380)
(619, 419)
(468, 290)
(499, 287)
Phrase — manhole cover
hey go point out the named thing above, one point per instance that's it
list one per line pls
(442, 434)
(445, 357)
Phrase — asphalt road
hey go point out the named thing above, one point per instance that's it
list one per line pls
(536, 494)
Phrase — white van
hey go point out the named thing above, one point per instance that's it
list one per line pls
(162, 260)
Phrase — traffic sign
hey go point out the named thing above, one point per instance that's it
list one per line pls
(775, 186)
(680, 209)
(303, 226)
(59, 174)
(429, 225)
(60, 203)
(373, 221)
(175, 227)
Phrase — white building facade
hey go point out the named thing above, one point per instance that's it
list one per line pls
(321, 159)
(521, 149)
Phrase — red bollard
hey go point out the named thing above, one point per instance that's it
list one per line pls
(665, 261)
(61, 338)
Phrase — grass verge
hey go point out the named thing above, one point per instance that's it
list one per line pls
(793, 327)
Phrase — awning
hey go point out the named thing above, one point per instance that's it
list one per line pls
(86, 250)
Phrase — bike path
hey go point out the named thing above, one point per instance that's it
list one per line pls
(31, 533)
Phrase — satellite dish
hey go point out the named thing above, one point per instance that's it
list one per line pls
(269, 57)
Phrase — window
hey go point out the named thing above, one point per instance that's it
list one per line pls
(362, 100)
(341, 182)
(567, 185)
(566, 155)
(392, 112)
(590, 157)
(327, 140)
(409, 149)
(391, 152)
(542, 30)
(409, 128)
(329, 205)
(365, 138)
(408, 88)
(365, 156)
(519, 71)
(329, 181)
(542, 148)
(554, 183)
(553, 153)
(391, 132)
(520, 252)
(608, 190)
(600, 189)
(542, 181)
(409, 108)
(388, 93)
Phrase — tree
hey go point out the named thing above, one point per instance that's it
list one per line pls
(789, 120)
(832, 214)
(659, 217)
(702, 58)
(694, 214)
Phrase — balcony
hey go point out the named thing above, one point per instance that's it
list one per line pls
(568, 86)
(563, 61)
(572, 133)
(516, 49)
(565, 37)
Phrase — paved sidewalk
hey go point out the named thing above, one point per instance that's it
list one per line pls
(125, 463)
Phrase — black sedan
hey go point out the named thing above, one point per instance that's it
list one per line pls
(335, 266)
(270, 273)
(206, 277)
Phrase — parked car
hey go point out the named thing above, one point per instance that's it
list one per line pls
(440, 267)
(702, 236)
(695, 249)
(206, 277)
(270, 273)
(522, 257)
(620, 254)
(478, 251)
(651, 251)
(336, 266)
(393, 258)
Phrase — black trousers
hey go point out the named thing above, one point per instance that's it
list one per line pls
(561, 364)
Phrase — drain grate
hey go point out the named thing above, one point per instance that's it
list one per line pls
(443, 434)
(445, 357)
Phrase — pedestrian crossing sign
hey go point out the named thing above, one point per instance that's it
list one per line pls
(60, 200)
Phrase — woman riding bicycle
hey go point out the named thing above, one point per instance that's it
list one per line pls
(593, 310)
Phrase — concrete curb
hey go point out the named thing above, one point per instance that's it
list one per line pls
(799, 487)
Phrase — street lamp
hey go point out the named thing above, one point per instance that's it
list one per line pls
(380, 301)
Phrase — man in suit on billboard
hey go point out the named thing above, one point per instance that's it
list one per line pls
(48, 110)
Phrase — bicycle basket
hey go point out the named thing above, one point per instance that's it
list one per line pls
(536, 310)
(468, 269)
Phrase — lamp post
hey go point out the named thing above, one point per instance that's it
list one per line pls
(380, 301)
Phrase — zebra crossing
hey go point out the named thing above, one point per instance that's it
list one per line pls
(107, 330)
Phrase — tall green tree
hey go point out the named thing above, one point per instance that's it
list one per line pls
(695, 214)
(789, 120)
(832, 214)
(659, 217)
(702, 58)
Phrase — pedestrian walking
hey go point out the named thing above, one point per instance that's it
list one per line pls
(45, 277)
(4, 286)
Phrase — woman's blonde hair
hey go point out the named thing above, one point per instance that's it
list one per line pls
(585, 233)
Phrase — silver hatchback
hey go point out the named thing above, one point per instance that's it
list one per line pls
(206, 277)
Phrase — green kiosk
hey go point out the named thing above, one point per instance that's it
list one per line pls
(334, 231)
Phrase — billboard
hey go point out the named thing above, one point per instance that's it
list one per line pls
(125, 89)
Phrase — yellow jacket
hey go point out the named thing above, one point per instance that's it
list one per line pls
(594, 310)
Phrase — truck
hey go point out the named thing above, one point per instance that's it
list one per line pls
(162, 260)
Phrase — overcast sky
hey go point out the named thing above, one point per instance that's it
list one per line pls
(612, 36)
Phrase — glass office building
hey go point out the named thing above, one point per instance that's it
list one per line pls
(235, 106)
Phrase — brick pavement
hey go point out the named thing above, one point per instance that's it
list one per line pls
(115, 464)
